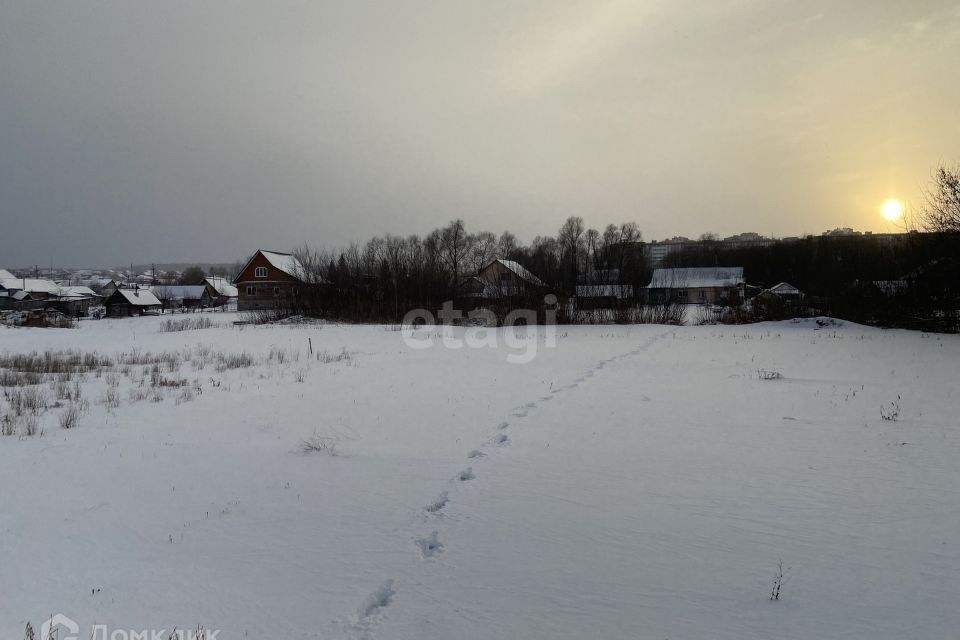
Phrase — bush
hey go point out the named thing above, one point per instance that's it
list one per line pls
(69, 417)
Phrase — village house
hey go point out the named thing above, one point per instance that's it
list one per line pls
(131, 302)
(225, 294)
(507, 279)
(192, 296)
(697, 285)
(269, 280)
(76, 300)
(786, 290)
(37, 288)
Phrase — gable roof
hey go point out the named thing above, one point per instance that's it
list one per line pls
(696, 277)
(223, 287)
(138, 297)
(521, 271)
(285, 262)
(77, 292)
(784, 288)
(179, 292)
(33, 285)
(6, 274)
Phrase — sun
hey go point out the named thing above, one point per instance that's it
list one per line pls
(892, 209)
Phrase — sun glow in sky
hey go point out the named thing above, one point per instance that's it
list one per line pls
(892, 209)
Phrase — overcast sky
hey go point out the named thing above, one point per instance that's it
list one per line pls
(200, 131)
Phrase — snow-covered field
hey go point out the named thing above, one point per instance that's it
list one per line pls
(638, 482)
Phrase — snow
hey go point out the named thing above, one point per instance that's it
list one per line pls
(696, 277)
(6, 275)
(139, 297)
(631, 481)
(283, 261)
(784, 288)
(179, 292)
(223, 286)
(77, 292)
(30, 285)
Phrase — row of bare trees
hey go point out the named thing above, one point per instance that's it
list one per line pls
(388, 275)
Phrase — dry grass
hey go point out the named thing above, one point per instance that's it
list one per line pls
(187, 324)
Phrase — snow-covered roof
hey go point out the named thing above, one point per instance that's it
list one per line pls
(522, 272)
(604, 291)
(785, 289)
(4, 274)
(283, 261)
(32, 285)
(139, 297)
(77, 292)
(223, 286)
(179, 292)
(696, 277)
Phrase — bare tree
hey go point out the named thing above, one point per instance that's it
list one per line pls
(942, 209)
(483, 249)
(572, 246)
(507, 245)
(454, 246)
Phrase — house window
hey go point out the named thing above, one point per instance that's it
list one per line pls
(251, 291)
(276, 291)
(702, 295)
(260, 272)
(682, 294)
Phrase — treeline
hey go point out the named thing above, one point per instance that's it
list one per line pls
(909, 280)
(384, 278)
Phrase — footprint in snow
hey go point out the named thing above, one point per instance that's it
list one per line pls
(476, 453)
(466, 474)
(429, 546)
(376, 601)
(503, 425)
(501, 439)
(437, 505)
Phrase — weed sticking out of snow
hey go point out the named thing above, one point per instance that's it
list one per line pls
(69, 417)
(779, 578)
(187, 324)
(767, 374)
(891, 412)
(319, 444)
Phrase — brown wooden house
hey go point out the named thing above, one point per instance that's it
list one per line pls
(131, 302)
(269, 280)
(508, 279)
